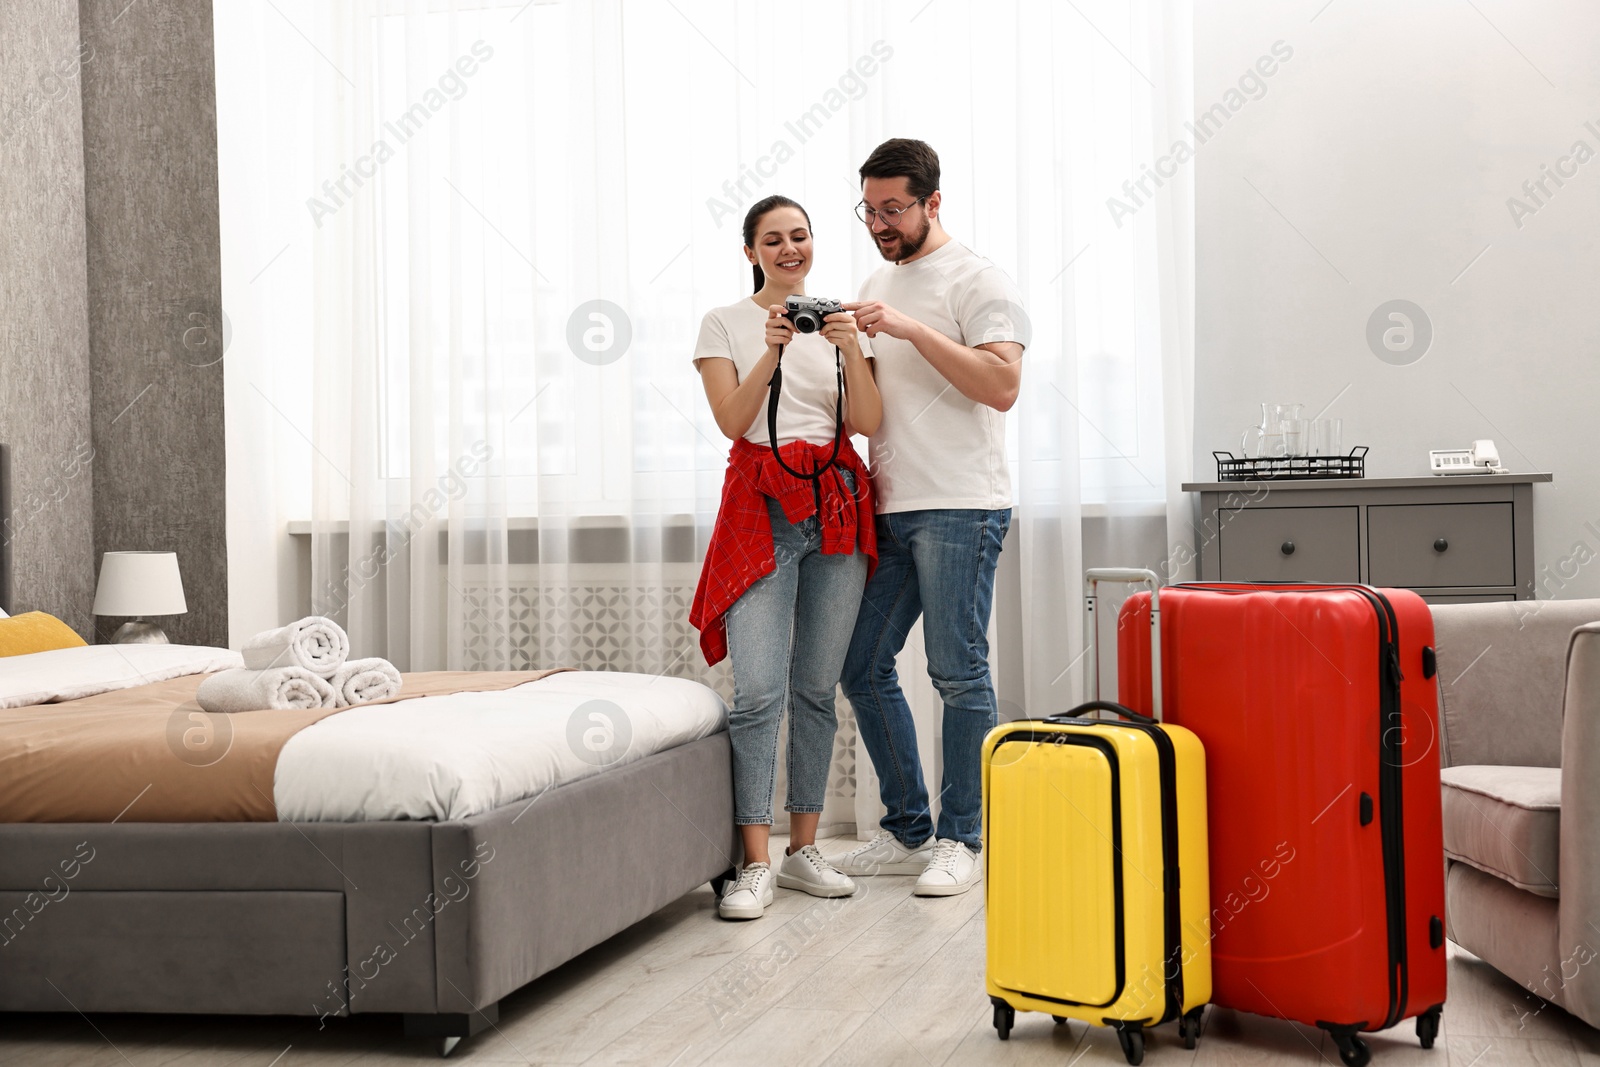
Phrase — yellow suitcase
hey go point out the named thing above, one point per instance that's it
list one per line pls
(1095, 865)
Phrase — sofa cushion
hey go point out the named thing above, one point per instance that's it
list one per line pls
(1505, 821)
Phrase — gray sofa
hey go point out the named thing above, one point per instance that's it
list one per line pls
(1519, 687)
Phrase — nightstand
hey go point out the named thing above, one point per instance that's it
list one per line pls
(1450, 539)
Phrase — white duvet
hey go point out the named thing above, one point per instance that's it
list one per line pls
(448, 757)
(441, 757)
(70, 673)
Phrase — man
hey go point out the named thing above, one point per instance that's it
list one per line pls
(948, 331)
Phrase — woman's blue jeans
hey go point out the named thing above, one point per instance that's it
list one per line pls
(787, 637)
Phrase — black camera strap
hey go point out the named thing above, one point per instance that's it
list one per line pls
(776, 387)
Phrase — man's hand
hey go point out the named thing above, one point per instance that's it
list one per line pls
(874, 317)
(989, 373)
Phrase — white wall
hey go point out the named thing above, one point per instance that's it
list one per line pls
(1377, 166)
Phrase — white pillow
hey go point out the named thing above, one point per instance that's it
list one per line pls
(70, 673)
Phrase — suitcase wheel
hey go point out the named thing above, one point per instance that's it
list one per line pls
(1353, 1050)
(1005, 1016)
(1428, 1027)
(1189, 1026)
(1132, 1042)
(1059, 1019)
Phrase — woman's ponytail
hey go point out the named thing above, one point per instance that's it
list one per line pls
(752, 219)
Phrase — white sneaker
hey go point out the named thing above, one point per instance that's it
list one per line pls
(952, 870)
(884, 855)
(748, 897)
(810, 872)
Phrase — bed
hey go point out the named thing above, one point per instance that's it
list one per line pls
(434, 917)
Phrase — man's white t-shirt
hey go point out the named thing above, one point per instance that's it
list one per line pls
(935, 448)
(810, 383)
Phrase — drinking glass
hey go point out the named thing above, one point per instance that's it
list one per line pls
(1294, 436)
(1327, 437)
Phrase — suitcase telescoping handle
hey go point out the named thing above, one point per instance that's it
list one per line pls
(1135, 576)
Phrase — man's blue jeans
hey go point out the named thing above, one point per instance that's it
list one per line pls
(938, 564)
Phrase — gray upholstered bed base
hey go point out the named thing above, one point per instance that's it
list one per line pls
(437, 921)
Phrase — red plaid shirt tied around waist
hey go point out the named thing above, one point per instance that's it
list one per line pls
(741, 552)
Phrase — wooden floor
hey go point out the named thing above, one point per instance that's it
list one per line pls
(879, 978)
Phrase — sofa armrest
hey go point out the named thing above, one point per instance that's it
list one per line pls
(1580, 827)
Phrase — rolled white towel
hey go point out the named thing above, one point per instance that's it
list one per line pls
(316, 644)
(361, 680)
(275, 689)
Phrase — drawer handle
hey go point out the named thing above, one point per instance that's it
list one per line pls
(1287, 548)
(1440, 545)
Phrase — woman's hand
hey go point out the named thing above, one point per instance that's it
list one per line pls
(864, 410)
(840, 329)
(780, 331)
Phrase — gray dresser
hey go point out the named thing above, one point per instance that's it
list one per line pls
(1452, 539)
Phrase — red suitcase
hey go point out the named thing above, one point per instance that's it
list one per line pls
(1318, 709)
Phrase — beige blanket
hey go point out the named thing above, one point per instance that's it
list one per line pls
(150, 754)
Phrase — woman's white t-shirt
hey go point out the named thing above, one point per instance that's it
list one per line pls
(810, 383)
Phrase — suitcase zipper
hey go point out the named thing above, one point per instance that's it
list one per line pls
(1391, 823)
(1172, 880)
(1391, 788)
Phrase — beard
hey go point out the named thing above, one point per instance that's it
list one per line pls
(906, 245)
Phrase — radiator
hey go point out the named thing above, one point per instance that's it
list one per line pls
(618, 617)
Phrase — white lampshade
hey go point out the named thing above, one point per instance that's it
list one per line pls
(139, 584)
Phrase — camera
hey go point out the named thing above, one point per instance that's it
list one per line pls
(807, 312)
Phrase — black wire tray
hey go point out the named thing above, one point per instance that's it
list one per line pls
(1280, 468)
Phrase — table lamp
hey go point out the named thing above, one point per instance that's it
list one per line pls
(138, 584)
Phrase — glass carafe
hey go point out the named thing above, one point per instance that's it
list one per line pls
(1266, 439)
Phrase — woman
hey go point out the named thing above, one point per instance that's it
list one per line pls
(792, 548)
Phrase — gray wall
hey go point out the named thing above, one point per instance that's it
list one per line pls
(110, 297)
(44, 331)
(1377, 166)
(155, 321)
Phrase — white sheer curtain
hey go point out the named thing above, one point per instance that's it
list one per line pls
(1041, 111)
(501, 389)
(519, 212)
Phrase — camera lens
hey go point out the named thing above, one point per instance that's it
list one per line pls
(807, 322)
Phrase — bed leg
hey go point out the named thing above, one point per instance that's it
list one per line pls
(448, 1028)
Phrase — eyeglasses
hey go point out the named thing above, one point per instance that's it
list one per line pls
(890, 216)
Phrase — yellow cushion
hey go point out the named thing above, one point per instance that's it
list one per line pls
(34, 631)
